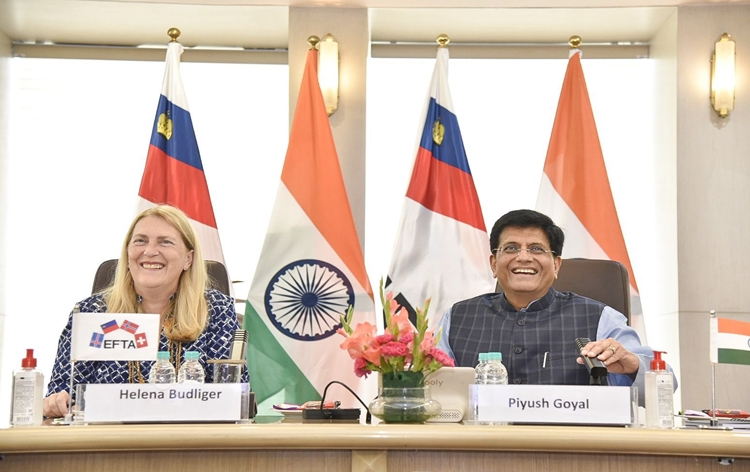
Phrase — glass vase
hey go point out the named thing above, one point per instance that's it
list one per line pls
(405, 405)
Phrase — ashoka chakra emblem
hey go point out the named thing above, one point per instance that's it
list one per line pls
(305, 299)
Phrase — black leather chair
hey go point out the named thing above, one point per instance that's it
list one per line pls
(600, 280)
(217, 274)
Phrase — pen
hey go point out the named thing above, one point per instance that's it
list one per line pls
(544, 362)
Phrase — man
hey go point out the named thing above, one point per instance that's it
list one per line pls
(532, 324)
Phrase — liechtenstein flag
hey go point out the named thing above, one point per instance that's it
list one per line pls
(174, 172)
(442, 249)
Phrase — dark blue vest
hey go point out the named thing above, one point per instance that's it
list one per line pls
(548, 328)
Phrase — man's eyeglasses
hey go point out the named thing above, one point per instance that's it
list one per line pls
(513, 250)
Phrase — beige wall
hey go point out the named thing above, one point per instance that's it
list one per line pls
(713, 201)
(5, 55)
(350, 27)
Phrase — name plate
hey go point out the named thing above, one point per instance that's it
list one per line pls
(551, 404)
(187, 402)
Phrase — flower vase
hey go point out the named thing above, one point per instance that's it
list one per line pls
(403, 398)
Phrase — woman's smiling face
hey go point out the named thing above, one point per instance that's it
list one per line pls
(157, 256)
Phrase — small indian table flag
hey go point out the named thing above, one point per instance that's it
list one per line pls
(730, 341)
(115, 337)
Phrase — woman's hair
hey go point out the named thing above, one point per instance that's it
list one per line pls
(188, 308)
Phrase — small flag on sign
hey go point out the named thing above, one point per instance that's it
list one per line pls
(129, 326)
(140, 340)
(109, 326)
(730, 341)
(96, 340)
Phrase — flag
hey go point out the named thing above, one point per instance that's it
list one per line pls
(96, 340)
(140, 340)
(90, 342)
(575, 190)
(442, 248)
(310, 271)
(730, 341)
(129, 326)
(109, 326)
(174, 171)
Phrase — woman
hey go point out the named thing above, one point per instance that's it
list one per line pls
(161, 270)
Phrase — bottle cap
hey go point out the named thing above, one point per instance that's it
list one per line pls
(30, 360)
(162, 355)
(192, 355)
(657, 363)
(495, 356)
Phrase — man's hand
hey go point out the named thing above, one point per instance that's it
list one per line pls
(617, 359)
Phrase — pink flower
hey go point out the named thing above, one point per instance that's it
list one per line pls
(394, 349)
(403, 347)
(441, 357)
(358, 342)
(384, 338)
(372, 355)
(360, 368)
(393, 305)
(401, 323)
(407, 337)
(427, 343)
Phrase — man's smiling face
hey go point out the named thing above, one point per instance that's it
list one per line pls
(524, 277)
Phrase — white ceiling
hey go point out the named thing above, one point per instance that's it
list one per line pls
(263, 23)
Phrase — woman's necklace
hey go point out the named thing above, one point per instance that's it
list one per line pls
(175, 356)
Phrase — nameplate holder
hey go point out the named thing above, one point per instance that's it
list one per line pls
(144, 403)
(551, 404)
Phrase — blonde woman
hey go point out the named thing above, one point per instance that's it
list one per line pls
(161, 270)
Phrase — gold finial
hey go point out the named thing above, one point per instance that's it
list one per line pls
(575, 41)
(313, 40)
(174, 33)
(443, 40)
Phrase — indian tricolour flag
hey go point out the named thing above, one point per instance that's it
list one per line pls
(174, 171)
(574, 190)
(730, 341)
(310, 271)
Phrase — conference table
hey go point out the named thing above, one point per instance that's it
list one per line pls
(363, 448)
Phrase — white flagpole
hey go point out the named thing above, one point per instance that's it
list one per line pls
(69, 414)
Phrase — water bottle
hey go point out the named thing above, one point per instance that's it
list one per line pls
(191, 371)
(163, 371)
(496, 372)
(480, 371)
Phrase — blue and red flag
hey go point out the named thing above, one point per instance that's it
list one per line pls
(109, 326)
(96, 340)
(442, 249)
(129, 326)
(174, 171)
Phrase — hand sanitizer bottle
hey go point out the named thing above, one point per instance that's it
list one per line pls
(659, 394)
(27, 393)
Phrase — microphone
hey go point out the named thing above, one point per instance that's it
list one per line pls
(596, 368)
(238, 348)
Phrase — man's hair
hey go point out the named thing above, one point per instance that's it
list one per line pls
(529, 219)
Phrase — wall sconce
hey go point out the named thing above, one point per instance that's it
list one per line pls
(722, 75)
(328, 72)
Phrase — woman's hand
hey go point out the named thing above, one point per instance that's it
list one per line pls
(56, 405)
